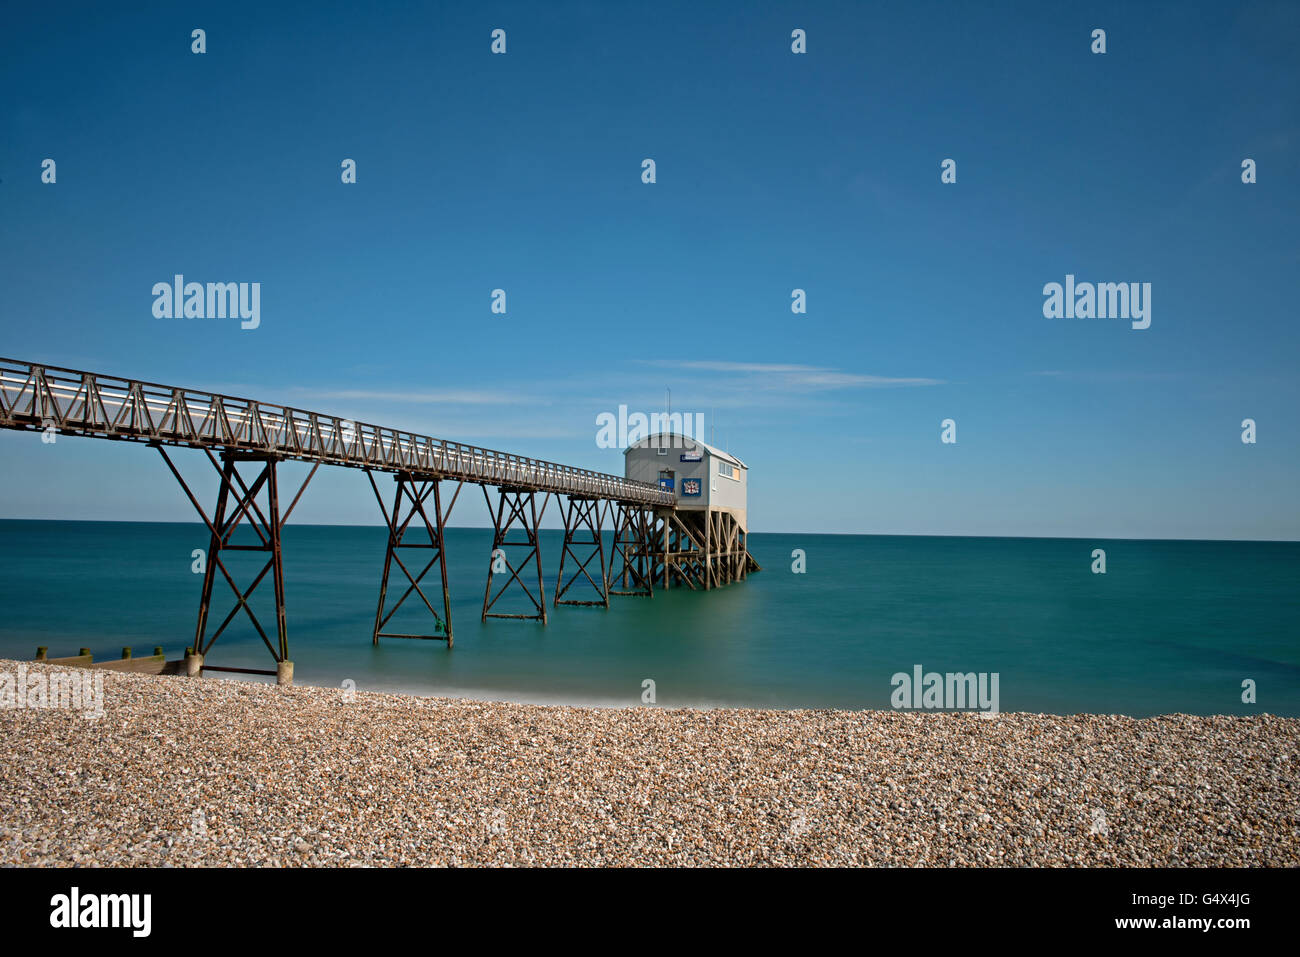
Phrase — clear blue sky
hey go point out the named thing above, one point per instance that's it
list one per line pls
(775, 171)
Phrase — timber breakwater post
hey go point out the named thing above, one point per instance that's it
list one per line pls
(677, 515)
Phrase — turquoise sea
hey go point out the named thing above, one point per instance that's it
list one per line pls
(1173, 626)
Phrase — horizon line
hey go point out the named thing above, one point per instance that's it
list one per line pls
(1079, 538)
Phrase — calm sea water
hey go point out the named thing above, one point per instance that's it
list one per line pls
(1172, 626)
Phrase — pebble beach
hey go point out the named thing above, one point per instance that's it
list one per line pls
(214, 772)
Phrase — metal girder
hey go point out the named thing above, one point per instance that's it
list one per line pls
(410, 499)
(515, 506)
(631, 562)
(582, 517)
(83, 403)
(237, 503)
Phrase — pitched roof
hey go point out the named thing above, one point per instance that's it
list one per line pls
(677, 442)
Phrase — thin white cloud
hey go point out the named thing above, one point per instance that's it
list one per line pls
(1117, 376)
(796, 377)
(445, 396)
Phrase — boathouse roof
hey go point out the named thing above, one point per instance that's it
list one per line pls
(675, 440)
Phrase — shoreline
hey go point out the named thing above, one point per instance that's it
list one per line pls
(183, 771)
(522, 696)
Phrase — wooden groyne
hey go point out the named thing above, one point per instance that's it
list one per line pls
(155, 664)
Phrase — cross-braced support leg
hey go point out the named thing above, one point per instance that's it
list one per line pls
(237, 502)
(582, 521)
(412, 498)
(515, 506)
(630, 563)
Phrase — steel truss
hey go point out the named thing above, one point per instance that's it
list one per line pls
(631, 563)
(73, 402)
(409, 500)
(237, 502)
(582, 533)
(515, 505)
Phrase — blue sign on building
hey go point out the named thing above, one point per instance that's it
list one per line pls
(690, 487)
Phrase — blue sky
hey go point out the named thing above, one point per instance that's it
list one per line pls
(775, 171)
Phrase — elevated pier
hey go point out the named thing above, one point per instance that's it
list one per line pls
(245, 440)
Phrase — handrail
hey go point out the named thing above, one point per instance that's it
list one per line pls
(40, 396)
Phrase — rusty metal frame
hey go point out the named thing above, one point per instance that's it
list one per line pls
(686, 556)
(267, 526)
(702, 549)
(631, 560)
(83, 403)
(522, 506)
(582, 514)
(414, 492)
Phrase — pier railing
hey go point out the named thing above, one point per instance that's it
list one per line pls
(85, 403)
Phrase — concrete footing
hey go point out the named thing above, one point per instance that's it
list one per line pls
(284, 673)
(193, 665)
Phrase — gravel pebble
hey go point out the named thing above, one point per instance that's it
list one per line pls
(184, 771)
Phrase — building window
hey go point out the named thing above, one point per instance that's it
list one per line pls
(662, 451)
(727, 470)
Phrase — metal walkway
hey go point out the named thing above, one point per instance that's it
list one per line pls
(85, 403)
(244, 441)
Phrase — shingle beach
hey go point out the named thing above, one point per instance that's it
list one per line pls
(187, 771)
